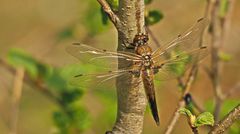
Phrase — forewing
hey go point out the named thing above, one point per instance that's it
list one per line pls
(185, 42)
(100, 58)
(105, 79)
(179, 63)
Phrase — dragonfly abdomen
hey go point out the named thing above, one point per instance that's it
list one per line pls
(147, 77)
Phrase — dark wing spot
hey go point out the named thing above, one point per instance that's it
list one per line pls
(199, 19)
(158, 67)
(203, 47)
(179, 35)
(78, 75)
(76, 43)
(109, 71)
(104, 50)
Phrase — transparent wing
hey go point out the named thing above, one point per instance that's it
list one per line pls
(187, 41)
(179, 63)
(102, 58)
(105, 79)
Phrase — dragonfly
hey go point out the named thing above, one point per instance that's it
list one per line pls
(146, 63)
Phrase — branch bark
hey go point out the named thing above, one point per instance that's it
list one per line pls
(228, 120)
(131, 99)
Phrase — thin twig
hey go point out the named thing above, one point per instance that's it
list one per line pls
(219, 29)
(112, 16)
(187, 85)
(228, 120)
(155, 40)
(46, 91)
(195, 130)
(17, 92)
(181, 103)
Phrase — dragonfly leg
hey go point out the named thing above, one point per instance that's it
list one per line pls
(136, 73)
(156, 68)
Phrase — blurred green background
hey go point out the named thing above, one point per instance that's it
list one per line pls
(34, 34)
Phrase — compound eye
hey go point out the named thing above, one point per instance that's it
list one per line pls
(145, 39)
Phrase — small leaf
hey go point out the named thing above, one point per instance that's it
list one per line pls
(179, 67)
(189, 114)
(66, 33)
(92, 19)
(185, 111)
(147, 1)
(224, 56)
(35, 69)
(153, 16)
(205, 118)
(235, 129)
(104, 17)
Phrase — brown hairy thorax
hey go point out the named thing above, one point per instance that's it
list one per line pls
(143, 50)
(140, 43)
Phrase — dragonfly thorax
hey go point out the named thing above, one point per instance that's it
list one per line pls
(147, 62)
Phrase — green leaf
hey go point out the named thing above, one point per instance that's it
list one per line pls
(188, 113)
(147, 1)
(70, 96)
(19, 58)
(113, 4)
(105, 19)
(224, 56)
(205, 118)
(185, 111)
(60, 119)
(92, 19)
(66, 33)
(179, 67)
(235, 129)
(153, 17)
(224, 5)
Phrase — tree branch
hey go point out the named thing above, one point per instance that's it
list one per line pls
(17, 93)
(186, 86)
(131, 99)
(155, 40)
(228, 120)
(219, 29)
(181, 103)
(112, 16)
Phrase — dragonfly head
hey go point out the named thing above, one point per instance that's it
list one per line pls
(140, 39)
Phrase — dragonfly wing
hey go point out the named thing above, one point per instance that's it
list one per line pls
(178, 64)
(101, 58)
(106, 79)
(187, 41)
